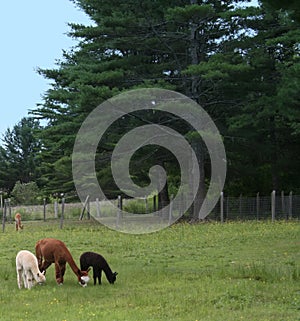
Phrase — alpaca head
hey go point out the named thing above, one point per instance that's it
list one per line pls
(113, 278)
(84, 278)
(41, 277)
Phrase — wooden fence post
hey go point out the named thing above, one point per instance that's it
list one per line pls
(171, 210)
(44, 210)
(98, 207)
(1, 201)
(154, 203)
(257, 206)
(84, 207)
(120, 202)
(120, 207)
(4, 217)
(9, 210)
(146, 205)
(273, 199)
(62, 212)
(55, 209)
(283, 205)
(291, 205)
(240, 205)
(88, 209)
(222, 207)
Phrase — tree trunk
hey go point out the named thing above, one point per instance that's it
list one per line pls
(163, 195)
(194, 94)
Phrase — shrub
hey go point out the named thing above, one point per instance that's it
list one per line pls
(25, 193)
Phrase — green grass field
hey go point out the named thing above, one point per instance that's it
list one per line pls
(234, 271)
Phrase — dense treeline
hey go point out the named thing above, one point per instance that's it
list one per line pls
(241, 64)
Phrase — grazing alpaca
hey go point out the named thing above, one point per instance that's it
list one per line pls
(28, 270)
(55, 251)
(98, 263)
(18, 222)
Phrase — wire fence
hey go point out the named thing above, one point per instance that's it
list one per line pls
(272, 207)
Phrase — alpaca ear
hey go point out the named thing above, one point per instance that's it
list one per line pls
(116, 273)
(44, 272)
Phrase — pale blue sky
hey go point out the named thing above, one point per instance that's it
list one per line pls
(33, 34)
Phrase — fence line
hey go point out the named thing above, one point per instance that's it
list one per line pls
(272, 207)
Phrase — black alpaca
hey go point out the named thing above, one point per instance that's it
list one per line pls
(98, 263)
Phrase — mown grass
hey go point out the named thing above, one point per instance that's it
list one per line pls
(234, 271)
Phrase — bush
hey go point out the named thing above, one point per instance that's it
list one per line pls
(25, 193)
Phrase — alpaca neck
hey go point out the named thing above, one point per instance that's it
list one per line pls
(108, 272)
(73, 265)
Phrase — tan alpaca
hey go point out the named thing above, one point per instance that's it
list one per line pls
(18, 222)
(28, 270)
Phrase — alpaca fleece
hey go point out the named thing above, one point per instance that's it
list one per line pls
(28, 270)
(55, 251)
(98, 263)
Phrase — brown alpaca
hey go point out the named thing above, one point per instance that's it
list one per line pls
(18, 222)
(55, 251)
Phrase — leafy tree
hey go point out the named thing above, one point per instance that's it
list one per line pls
(19, 154)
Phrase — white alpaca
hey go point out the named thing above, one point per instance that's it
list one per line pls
(28, 270)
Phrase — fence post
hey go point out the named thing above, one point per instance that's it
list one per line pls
(120, 202)
(62, 212)
(154, 203)
(222, 207)
(283, 205)
(240, 206)
(4, 216)
(120, 206)
(55, 208)
(171, 209)
(98, 207)
(44, 210)
(146, 205)
(88, 208)
(9, 210)
(1, 201)
(273, 196)
(226, 216)
(257, 206)
(291, 205)
(84, 207)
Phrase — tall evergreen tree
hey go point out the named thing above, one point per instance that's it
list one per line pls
(240, 64)
(260, 76)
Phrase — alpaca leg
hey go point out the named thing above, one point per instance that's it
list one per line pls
(95, 275)
(62, 271)
(99, 277)
(19, 278)
(58, 274)
(29, 278)
(25, 281)
(44, 266)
